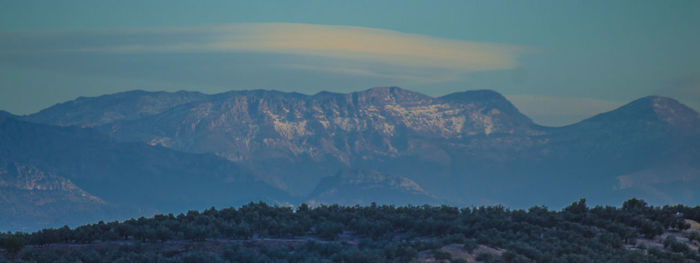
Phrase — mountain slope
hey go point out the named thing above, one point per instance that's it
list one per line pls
(88, 112)
(470, 147)
(133, 177)
(31, 197)
(355, 186)
(267, 130)
(651, 144)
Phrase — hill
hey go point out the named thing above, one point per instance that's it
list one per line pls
(66, 175)
(635, 232)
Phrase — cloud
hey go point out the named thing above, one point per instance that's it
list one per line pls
(359, 43)
(398, 74)
(352, 50)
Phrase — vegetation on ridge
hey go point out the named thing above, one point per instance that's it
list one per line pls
(258, 232)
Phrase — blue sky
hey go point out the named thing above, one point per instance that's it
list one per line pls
(558, 61)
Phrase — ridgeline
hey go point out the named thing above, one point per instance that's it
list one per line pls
(257, 232)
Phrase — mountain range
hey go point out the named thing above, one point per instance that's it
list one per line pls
(138, 152)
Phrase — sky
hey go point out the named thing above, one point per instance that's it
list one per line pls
(558, 61)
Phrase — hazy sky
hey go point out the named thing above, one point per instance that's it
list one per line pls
(558, 61)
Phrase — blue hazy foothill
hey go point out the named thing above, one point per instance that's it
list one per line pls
(139, 152)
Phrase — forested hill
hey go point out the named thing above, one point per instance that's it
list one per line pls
(257, 232)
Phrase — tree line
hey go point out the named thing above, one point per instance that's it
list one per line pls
(377, 233)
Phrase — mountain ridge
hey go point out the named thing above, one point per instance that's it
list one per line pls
(460, 96)
(464, 148)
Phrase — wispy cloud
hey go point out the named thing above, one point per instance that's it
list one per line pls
(355, 50)
(359, 43)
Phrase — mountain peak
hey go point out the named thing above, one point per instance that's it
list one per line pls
(361, 186)
(672, 111)
(657, 107)
(391, 95)
(128, 105)
(487, 99)
(386, 91)
(650, 110)
(262, 93)
(474, 95)
(325, 93)
(662, 104)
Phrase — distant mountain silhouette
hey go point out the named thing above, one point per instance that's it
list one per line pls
(465, 148)
(53, 175)
(362, 187)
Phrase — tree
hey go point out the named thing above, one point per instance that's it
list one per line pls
(13, 243)
(634, 205)
(578, 207)
(442, 255)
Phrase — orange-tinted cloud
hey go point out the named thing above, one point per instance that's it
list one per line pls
(348, 43)
(360, 43)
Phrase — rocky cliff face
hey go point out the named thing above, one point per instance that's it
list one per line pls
(238, 124)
